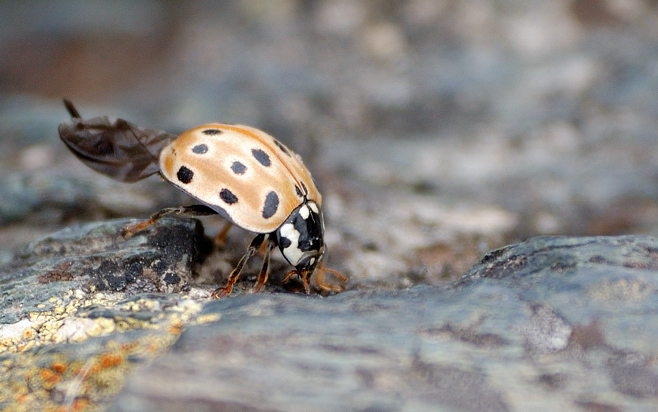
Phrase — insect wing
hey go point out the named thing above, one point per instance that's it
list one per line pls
(114, 147)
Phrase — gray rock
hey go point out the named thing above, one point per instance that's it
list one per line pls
(47, 197)
(292, 352)
(552, 323)
(41, 197)
(94, 257)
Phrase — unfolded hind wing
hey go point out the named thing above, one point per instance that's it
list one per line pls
(114, 147)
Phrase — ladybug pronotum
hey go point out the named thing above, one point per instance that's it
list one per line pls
(239, 172)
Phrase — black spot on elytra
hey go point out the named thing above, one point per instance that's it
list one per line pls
(238, 168)
(227, 196)
(212, 132)
(200, 149)
(284, 242)
(261, 156)
(299, 191)
(271, 205)
(185, 175)
(282, 147)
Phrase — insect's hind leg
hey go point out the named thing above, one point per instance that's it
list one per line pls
(192, 210)
(220, 239)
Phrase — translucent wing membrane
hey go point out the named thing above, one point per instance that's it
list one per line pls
(114, 147)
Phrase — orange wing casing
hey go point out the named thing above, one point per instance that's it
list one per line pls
(243, 173)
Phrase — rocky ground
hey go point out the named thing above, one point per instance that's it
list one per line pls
(489, 179)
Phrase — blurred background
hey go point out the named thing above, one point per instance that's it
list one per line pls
(424, 121)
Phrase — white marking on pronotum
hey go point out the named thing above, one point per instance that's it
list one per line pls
(304, 212)
(314, 207)
(292, 252)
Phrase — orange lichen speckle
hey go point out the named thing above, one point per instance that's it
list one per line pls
(175, 329)
(80, 404)
(109, 360)
(46, 374)
(59, 367)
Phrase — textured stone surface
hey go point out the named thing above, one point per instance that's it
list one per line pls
(81, 309)
(542, 325)
(78, 262)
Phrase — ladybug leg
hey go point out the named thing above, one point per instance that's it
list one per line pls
(193, 210)
(304, 275)
(220, 239)
(320, 280)
(305, 279)
(263, 249)
(289, 275)
(265, 270)
(235, 273)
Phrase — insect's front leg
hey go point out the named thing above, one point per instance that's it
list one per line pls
(192, 210)
(329, 287)
(265, 269)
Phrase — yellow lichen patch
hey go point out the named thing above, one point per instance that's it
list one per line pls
(210, 317)
(88, 378)
(60, 323)
(74, 381)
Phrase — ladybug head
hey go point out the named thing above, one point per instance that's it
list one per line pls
(301, 238)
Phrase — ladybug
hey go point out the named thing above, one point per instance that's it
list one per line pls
(239, 172)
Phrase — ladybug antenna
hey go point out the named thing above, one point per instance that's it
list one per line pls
(71, 109)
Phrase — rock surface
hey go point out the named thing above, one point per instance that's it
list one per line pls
(96, 258)
(84, 306)
(542, 325)
(553, 321)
